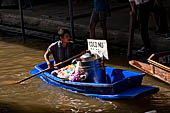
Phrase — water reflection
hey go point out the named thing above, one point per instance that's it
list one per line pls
(34, 96)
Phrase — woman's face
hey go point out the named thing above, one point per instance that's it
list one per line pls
(66, 38)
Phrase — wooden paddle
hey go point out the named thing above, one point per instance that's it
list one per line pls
(18, 82)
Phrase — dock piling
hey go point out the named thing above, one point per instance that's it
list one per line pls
(22, 19)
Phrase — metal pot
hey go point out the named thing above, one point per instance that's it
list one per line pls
(90, 65)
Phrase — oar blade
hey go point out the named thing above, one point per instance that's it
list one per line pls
(5, 83)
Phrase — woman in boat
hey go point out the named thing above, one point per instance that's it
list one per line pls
(60, 50)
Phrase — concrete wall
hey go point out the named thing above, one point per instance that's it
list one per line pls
(9, 3)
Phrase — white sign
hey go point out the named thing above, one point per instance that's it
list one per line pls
(98, 47)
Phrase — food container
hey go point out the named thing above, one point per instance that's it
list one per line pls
(90, 65)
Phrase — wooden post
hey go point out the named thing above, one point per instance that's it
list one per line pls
(22, 20)
(131, 35)
(168, 17)
(152, 69)
(71, 18)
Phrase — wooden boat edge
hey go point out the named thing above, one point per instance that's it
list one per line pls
(151, 61)
(137, 64)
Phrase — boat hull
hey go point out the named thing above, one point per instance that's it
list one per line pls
(154, 67)
(127, 88)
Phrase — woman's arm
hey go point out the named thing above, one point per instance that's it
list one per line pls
(46, 57)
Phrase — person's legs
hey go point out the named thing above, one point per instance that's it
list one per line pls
(104, 29)
(144, 11)
(168, 16)
(163, 20)
(92, 30)
(156, 18)
(155, 22)
(102, 19)
(93, 22)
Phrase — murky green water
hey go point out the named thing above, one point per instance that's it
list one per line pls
(34, 96)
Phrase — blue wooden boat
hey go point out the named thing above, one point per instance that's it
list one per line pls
(120, 84)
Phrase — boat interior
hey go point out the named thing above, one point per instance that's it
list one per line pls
(111, 75)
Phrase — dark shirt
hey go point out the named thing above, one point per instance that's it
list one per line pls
(60, 53)
(101, 5)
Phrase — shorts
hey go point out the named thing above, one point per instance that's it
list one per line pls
(98, 16)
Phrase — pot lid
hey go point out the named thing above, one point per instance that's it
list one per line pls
(86, 55)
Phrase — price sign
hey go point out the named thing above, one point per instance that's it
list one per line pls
(98, 47)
